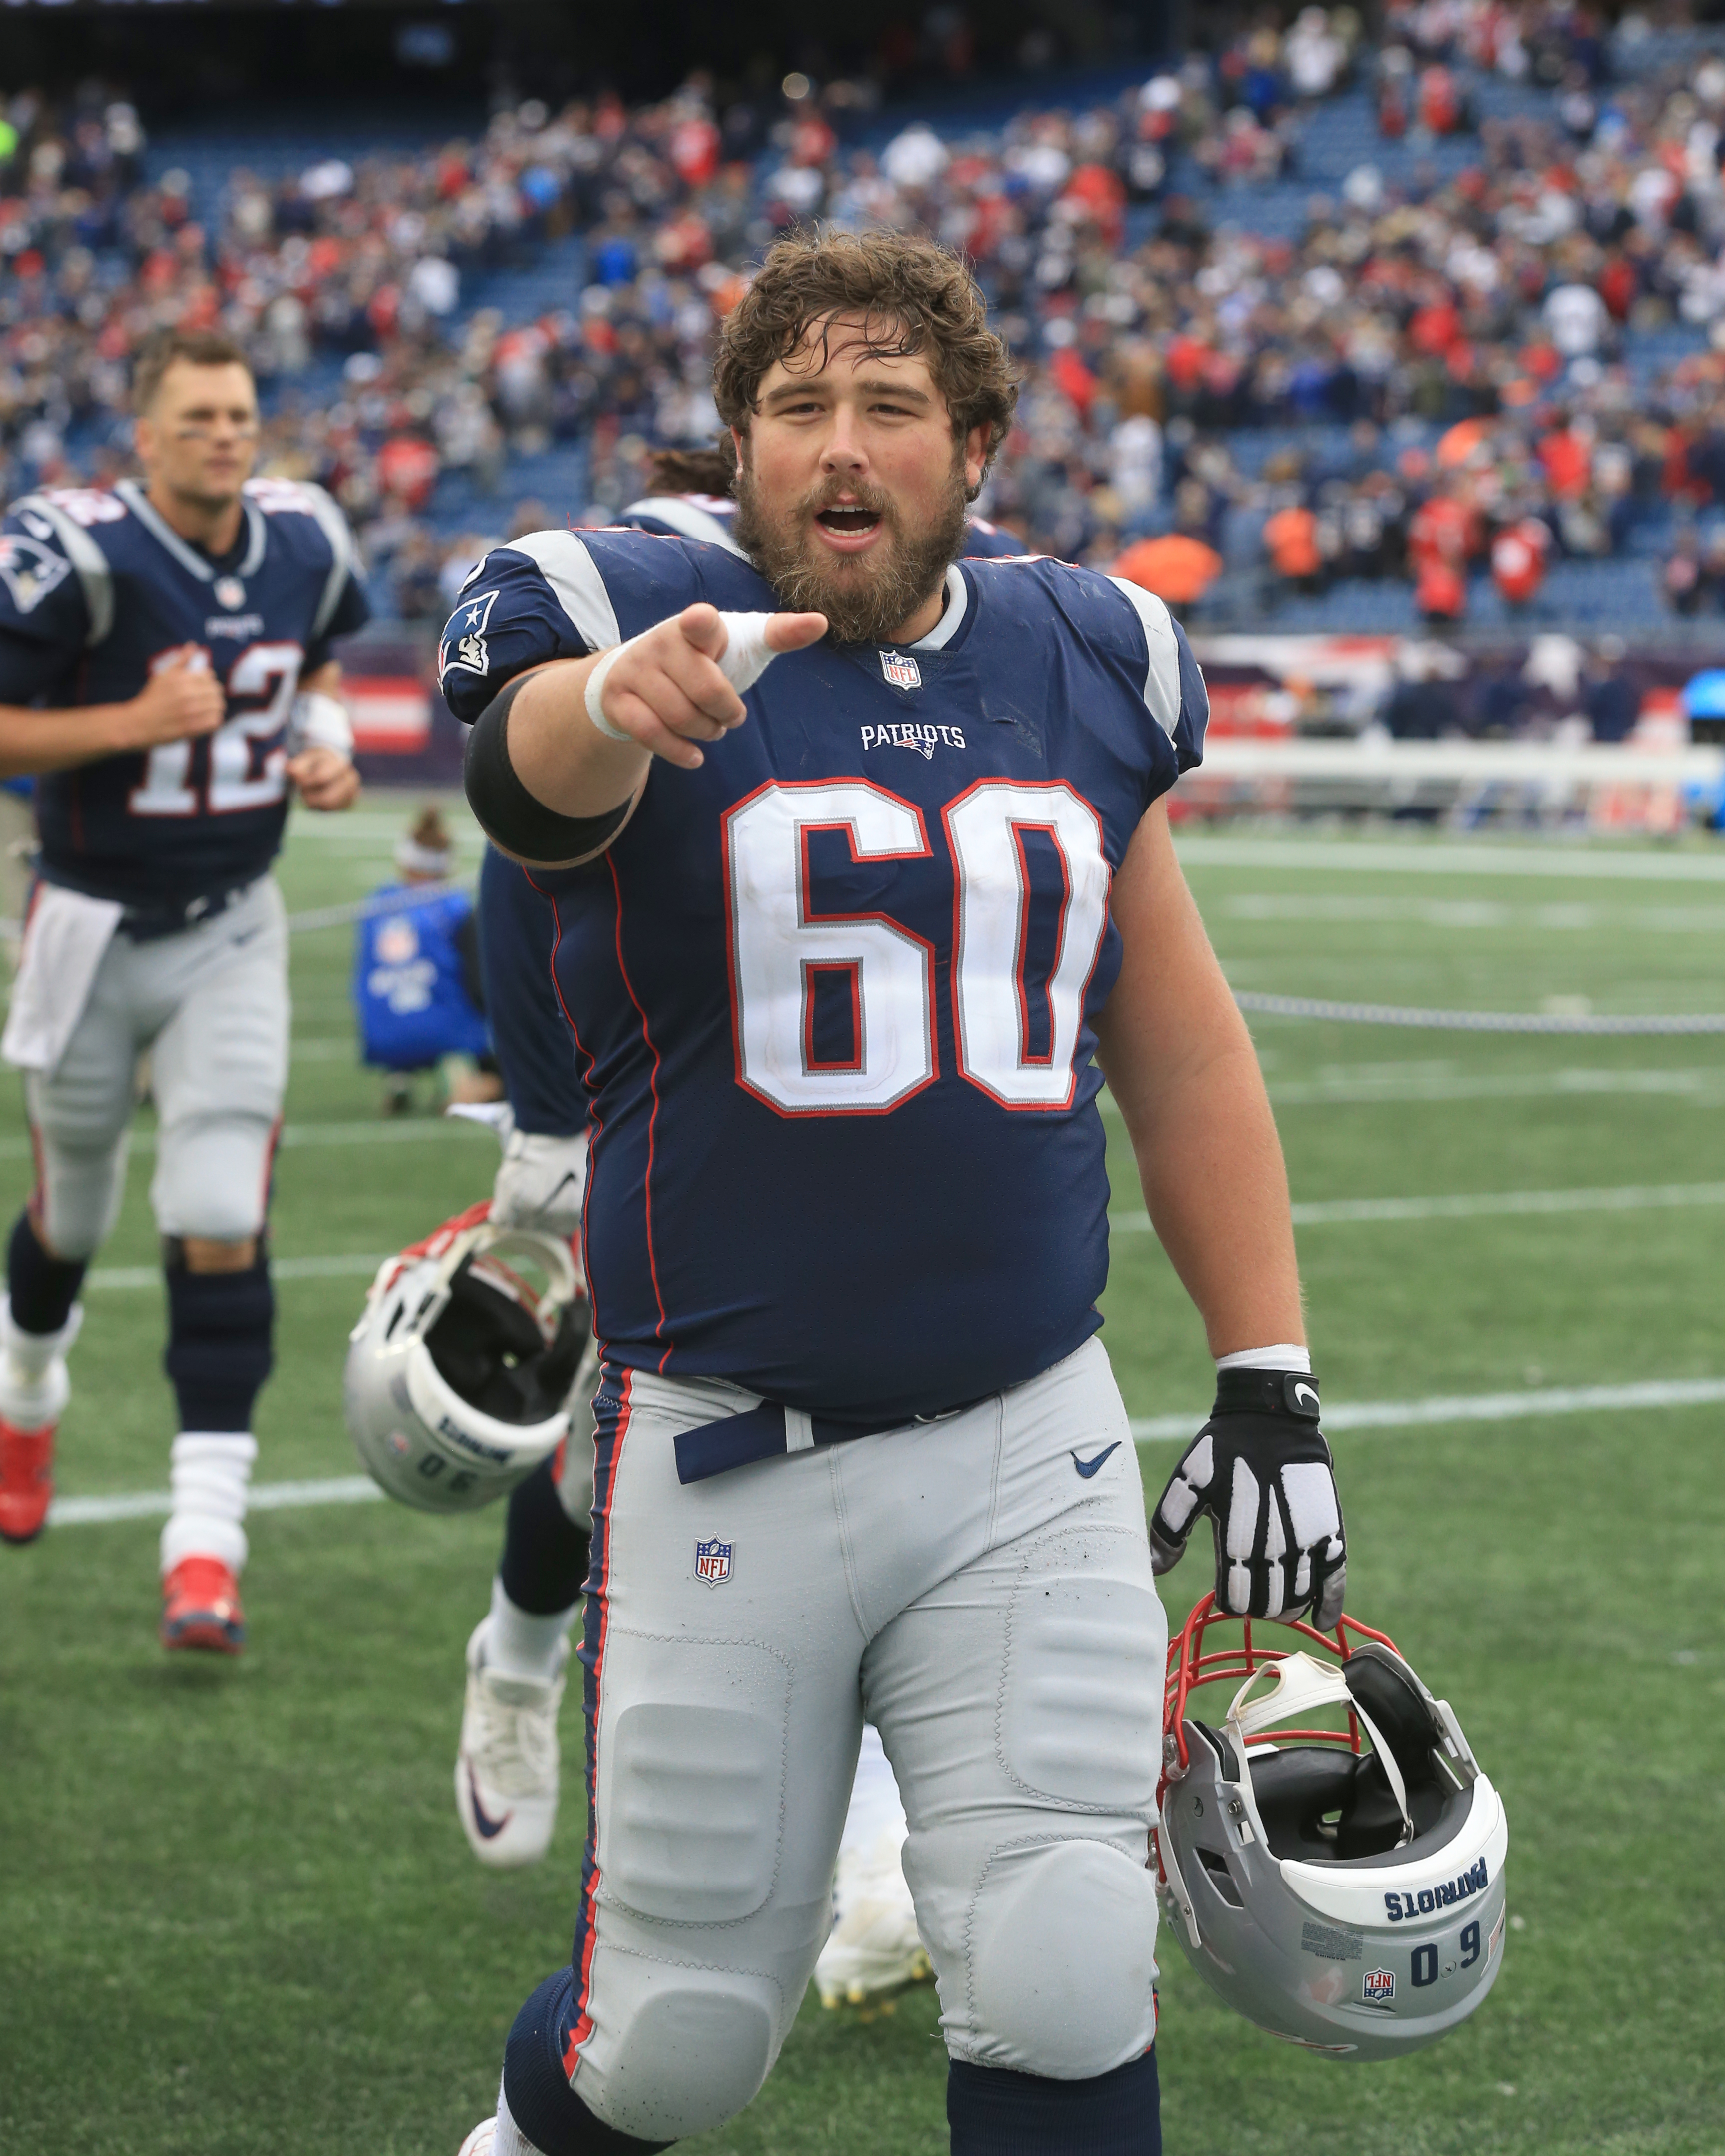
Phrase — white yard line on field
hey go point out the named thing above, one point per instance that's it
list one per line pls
(409, 1130)
(1701, 1084)
(265, 1497)
(1450, 914)
(1364, 1415)
(1339, 1212)
(1583, 863)
(1318, 1212)
(355, 1266)
(1482, 1407)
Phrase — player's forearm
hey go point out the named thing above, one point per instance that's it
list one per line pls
(32, 741)
(1216, 1188)
(561, 758)
(1180, 1066)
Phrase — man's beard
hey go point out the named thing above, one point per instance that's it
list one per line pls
(865, 601)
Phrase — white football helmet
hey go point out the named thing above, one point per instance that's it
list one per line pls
(1347, 1900)
(460, 1373)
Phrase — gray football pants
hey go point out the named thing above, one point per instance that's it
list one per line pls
(981, 1587)
(211, 1005)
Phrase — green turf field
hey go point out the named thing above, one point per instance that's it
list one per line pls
(237, 1914)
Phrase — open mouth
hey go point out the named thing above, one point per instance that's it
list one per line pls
(848, 522)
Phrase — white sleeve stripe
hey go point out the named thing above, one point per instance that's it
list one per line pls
(574, 576)
(87, 558)
(683, 516)
(333, 526)
(1162, 680)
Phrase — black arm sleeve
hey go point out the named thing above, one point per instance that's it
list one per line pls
(508, 814)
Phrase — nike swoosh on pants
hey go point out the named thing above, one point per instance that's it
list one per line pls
(1086, 1468)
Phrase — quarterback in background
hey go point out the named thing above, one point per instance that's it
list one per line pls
(166, 672)
(863, 877)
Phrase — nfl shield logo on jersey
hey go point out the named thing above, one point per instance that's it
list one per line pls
(229, 593)
(712, 1562)
(1377, 1987)
(900, 669)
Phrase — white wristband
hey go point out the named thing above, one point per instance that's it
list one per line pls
(747, 655)
(595, 695)
(320, 720)
(1284, 1355)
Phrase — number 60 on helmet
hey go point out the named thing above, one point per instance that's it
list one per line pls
(466, 1361)
(1347, 1899)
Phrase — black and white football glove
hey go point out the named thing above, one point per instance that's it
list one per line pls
(541, 1183)
(1262, 1471)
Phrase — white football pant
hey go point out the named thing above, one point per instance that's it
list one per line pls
(981, 1588)
(211, 1004)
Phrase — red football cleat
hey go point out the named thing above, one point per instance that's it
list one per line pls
(200, 1607)
(25, 1482)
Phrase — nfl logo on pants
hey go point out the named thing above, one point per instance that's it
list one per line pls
(712, 1562)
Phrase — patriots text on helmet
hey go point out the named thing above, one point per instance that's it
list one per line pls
(1444, 1896)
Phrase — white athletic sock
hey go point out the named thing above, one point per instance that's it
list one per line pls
(209, 1474)
(508, 2140)
(519, 1645)
(30, 1353)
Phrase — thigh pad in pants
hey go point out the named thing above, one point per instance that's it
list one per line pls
(1062, 1929)
(691, 1798)
(219, 1067)
(81, 1111)
(1020, 1699)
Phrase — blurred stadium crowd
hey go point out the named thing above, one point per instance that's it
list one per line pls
(1314, 332)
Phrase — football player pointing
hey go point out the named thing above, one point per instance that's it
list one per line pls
(862, 877)
(165, 667)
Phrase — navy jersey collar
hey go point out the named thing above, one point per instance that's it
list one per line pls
(190, 557)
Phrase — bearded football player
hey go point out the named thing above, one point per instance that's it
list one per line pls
(166, 668)
(506, 1773)
(864, 880)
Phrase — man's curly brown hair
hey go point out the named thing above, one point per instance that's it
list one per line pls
(913, 295)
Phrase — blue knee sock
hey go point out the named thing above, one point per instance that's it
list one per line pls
(536, 2089)
(992, 2112)
(545, 1553)
(219, 1332)
(43, 1287)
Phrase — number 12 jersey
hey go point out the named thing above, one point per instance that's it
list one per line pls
(832, 993)
(96, 592)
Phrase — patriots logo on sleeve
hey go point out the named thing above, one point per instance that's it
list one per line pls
(464, 646)
(29, 570)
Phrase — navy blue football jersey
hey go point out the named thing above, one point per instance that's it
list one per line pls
(706, 518)
(518, 925)
(832, 992)
(96, 588)
(990, 543)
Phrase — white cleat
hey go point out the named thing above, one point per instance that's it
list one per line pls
(506, 1770)
(874, 1946)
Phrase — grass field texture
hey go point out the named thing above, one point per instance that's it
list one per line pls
(237, 1914)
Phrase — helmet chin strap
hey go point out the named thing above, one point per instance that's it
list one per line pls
(1301, 1682)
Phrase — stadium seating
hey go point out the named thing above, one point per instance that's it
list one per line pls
(527, 263)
